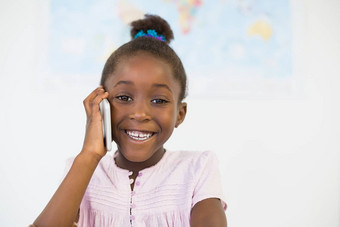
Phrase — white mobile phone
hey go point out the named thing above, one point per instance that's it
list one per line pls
(104, 107)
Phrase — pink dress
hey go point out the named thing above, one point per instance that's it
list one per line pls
(163, 195)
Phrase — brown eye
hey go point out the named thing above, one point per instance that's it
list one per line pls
(159, 101)
(124, 98)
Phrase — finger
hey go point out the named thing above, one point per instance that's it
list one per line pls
(95, 102)
(94, 93)
(91, 96)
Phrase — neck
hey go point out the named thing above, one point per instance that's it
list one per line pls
(124, 163)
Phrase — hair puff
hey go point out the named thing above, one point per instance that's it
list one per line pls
(152, 22)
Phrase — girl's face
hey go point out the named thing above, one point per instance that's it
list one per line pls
(145, 106)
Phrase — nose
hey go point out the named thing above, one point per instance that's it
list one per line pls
(140, 111)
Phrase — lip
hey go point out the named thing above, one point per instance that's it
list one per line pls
(138, 135)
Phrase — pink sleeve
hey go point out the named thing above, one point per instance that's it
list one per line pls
(208, 179)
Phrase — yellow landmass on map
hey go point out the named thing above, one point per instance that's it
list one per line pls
(261, 28)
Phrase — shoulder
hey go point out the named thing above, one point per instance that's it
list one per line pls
(194, 160)
(104, 171)
(106, 162)
(193, 157)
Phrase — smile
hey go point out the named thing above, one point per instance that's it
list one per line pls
(138, 135)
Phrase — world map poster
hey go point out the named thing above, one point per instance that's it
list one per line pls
(229, 48)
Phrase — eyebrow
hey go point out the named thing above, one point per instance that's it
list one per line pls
(162, 86)
(129, 82)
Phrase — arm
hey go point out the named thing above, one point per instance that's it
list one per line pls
(63, 207)
(208, 212)
(208, 208)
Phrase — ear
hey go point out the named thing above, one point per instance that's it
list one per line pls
(182, 111)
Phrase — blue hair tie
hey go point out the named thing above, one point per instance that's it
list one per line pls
(150, 33)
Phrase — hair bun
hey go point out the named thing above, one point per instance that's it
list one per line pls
(154, 22)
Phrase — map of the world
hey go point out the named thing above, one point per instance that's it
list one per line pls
(228, 47)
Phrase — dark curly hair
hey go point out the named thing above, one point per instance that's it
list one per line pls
(153, 46)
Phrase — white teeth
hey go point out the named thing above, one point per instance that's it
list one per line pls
(136, 135)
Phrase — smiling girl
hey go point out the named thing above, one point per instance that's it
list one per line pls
(143, 184)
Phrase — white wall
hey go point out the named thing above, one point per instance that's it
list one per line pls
(280, 158)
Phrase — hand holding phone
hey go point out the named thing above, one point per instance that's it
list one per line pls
(105, 111)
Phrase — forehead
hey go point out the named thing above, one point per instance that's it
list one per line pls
(143, 70)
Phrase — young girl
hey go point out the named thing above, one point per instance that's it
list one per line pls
(143, 184)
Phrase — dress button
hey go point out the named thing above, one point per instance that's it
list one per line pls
(133, 206)
(137, 183)
(133, 193)
(132, 217)
(140, 174)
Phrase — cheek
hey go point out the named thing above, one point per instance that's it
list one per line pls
(167, 118)
(117, 114)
